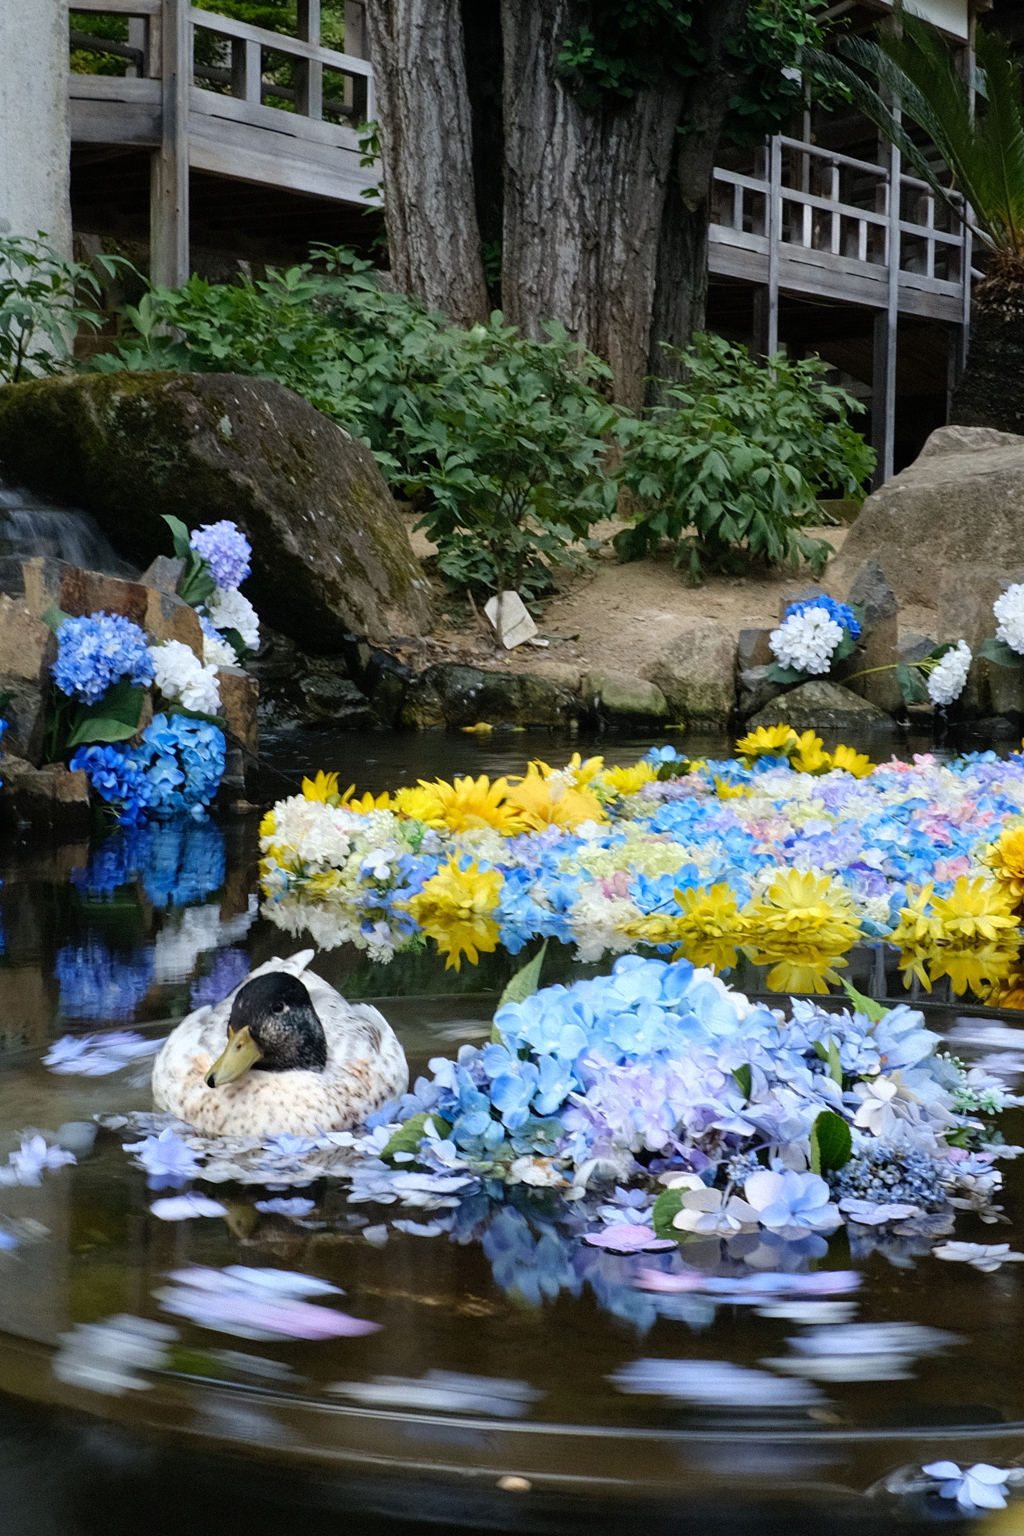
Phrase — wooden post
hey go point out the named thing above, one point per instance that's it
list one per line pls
(168, 196)
(771, 322)
(883, 374)
(358, 95)
(309, 76)
(246, 70)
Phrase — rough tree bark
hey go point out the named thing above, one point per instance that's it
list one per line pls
(416, 48)
(583, 198)
(682, 282)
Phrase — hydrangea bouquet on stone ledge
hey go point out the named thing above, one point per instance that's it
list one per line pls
(108, 674)
(818, 633)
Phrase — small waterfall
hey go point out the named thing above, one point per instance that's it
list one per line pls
(30, 526)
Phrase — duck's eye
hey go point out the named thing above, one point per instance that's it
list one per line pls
(279, 1008)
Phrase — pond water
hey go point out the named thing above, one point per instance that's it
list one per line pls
(503, 1348)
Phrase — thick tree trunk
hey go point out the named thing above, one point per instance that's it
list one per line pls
(416, 48)
(583, 198)
(682, 286)
(991, 390)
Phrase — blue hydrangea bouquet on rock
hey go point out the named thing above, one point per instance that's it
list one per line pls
(142, 716)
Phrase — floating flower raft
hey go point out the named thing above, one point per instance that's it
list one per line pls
(786, 854)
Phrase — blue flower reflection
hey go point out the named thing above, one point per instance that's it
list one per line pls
(179, 862)
(96, 983)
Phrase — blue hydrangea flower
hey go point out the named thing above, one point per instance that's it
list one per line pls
(226, 551)
(97, 651)
(229, 969)
(841, 613)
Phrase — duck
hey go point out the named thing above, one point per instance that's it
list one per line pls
(283, 1054)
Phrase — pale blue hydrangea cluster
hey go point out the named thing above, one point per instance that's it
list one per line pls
(840, 613)
(95, 652)
(226, 551)
(177, 767)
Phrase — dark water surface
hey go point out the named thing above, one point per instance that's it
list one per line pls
(123, 932)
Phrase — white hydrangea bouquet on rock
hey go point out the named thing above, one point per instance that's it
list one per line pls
(819, 632)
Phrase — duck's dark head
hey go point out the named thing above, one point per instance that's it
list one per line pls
(274, 1028)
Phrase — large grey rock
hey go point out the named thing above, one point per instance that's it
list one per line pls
(869, 669)
(449, 694)
(330, 553)
(696, 672)
(948, 533)
(755, 689)
(823, 706)
(619, 696)
(48, 799)
(27, 650)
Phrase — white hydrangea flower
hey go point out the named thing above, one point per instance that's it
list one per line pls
(805, 641)
(218, 653)
(946, 682)
(1009, 610)
(182, 678)
(230, 609)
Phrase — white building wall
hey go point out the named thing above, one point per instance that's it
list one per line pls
(953, 16)
(35, 140)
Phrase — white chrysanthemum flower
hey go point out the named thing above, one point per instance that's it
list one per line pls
(946, 681)
(805, 641)
(182, 678)
(229, 609)
(218, 653)
(1009, 610)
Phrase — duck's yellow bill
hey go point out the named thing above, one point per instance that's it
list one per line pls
(240, 1053)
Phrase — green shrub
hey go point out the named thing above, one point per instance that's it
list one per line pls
(732, 468)
(498, 439)
(44, 300)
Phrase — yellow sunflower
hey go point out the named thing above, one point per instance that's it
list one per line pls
(801, 927)
(322, 787)
(469, 804)
(1005, 858)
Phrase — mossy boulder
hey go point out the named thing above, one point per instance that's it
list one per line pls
(453, 695)
(330, 553)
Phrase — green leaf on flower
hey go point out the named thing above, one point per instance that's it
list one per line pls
(865, 1005)
(742, 1077)
(1002, 654)
(55, 617)
(412, 1133)
(831, 1142)
(196, 584)
(180, 535)
(195, 714)
(845, 646)
(785, 675)
(830, 1054)
(668, 1205)
(115, 717)
(911, 686)
(236, 643)
(525, 982)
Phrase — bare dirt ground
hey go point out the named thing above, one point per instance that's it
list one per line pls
(620, 616)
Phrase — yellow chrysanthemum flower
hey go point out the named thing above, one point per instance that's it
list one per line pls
(469, 804)
(627, 781)
(419, 804)
(541, 802)
(768, 741)
(710, 927)
(978, 967)
(857, 763)
(969, 936)
(808, 755)
(583, 772)
(365, 803)
(726, 791)
(322, 787)
(976, 908)
(268, 825)
(801, 927)
(1005, 858)
(454, 910)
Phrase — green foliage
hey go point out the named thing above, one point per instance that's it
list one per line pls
(667, 1206)
(741, 1076)
(196, 583)
(734, 465)
(865, 1005)
(71, 724)
(526, 980)
(412, 1133)
(831, 1142)
(496, 437)
(44, 301)
(1002, 654)
(977, 125)
(628, 45)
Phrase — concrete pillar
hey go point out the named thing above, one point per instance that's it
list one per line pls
(35, 131)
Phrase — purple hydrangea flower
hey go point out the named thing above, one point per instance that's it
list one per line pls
(226, 551)
(168, 1162)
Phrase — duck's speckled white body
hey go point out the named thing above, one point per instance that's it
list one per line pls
(365, 1067)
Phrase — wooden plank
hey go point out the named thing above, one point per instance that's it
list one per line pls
(114, 88)
(101, 122)
(206, 104)
(727, 234)
(774, 233)
(296, 47)
(168, 196)
(340, 181)
(832, 156)
(215, 135)
(120, 7)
